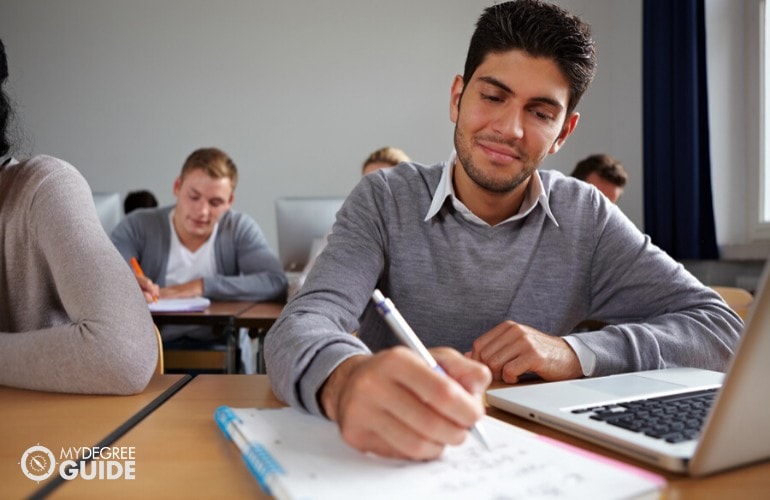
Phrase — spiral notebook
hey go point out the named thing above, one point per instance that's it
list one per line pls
(299, 456)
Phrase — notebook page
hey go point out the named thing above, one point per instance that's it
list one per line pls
(192, 304)
(520, 465)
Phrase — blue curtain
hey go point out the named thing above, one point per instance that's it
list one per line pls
(678, 208)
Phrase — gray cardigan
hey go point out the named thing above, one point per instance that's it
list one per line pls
(453, 280)
(247, 267)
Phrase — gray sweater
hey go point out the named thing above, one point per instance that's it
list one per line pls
(453, 280)
(247, 267)
(72, 318)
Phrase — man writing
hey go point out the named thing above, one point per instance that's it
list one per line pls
(489, 257)
(200, 247)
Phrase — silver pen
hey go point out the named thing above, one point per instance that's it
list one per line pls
(404, 332)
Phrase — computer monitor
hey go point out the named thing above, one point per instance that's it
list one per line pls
(299, 221)
(109, 208)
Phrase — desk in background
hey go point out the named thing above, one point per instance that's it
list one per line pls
(258, 319)
(59, 421)
(220, 316)
(181, 453)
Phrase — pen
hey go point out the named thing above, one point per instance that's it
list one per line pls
(136, 267)
(404, 332)
(138, 271)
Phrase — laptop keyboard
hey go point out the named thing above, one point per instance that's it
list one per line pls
(674, 418)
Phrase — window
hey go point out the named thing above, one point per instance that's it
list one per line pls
(764, 178)
(759, 208)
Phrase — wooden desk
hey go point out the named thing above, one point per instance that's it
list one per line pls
(59, 421)
(259, 318)
(181, 453)
(219, 315)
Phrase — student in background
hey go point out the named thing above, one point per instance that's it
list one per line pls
(604, 172)
(200, 246)
(490, 257)
(385, 157)
(139, 199)
(71, 316)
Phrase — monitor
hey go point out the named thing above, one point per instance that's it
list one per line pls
(109, 208)
(300, 221)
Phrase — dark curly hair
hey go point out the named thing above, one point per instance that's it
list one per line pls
(5, 104)
(542, 30)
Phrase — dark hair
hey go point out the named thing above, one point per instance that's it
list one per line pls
(542, 30)
(139, 199)
(605, 167)
(5, 104)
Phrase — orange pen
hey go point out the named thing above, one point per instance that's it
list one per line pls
(138, 271)
(136, 267)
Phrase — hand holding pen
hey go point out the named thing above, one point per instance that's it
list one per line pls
(150, 290)
(404, 332)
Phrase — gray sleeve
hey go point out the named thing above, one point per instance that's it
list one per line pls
(249, 269)
(314, 333)
(660, 315)
(104, 340)
(126, 239)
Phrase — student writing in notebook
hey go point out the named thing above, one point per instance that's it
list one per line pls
(490, 257)
(71, 316)
(200, 246)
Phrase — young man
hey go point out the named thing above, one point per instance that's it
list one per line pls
(604, 172)
(200, 247)
(489, 257)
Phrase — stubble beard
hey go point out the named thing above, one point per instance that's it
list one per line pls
(482, 179)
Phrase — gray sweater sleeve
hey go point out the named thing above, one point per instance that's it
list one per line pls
(73, 318)
(249, 269)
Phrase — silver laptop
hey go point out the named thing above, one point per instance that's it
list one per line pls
(606, 410)
(299, 222)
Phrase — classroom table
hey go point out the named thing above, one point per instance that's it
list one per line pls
(181, 453)
(258, 319)
(220, 316)
(62, 421)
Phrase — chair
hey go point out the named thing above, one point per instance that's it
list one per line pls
(738, 299)
(160, 368)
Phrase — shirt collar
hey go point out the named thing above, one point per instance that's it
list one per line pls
(535, 195)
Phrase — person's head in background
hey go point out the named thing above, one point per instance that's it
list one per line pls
(604, 172)
(139, 199)
(383, 158)
(205, 190)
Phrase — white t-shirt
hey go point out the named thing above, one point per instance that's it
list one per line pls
(184, 265)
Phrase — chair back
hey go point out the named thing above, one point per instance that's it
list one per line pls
(738, 299)
(160, 368)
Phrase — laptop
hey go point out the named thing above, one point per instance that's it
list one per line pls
(300, 222)
(649, 416)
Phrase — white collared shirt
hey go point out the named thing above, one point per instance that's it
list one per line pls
(534, 195)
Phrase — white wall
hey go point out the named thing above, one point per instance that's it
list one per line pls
(298, 93)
